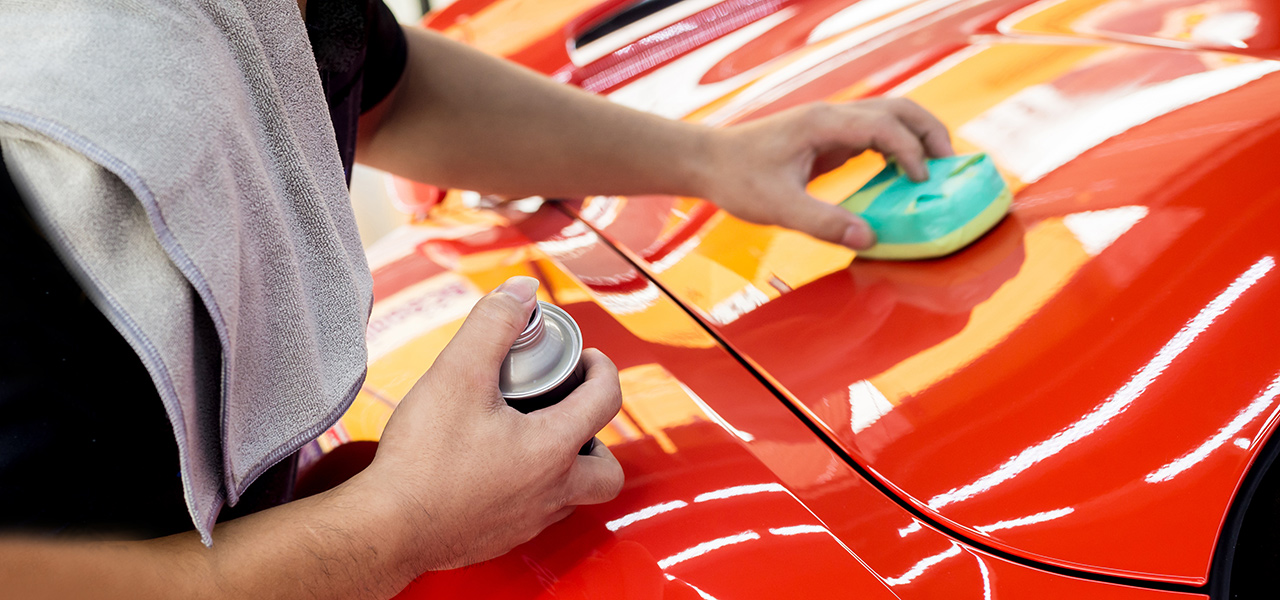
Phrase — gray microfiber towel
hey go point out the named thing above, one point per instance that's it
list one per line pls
(180, 158)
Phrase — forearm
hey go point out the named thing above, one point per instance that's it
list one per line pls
(463, 119)
(333, 545)
(459, 477)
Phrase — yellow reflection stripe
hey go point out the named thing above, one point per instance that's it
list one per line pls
(656, 401)
(366, 418)
(399, 370)
(1057, 16)
(508, 26)
(991, 76)
(1053, 256)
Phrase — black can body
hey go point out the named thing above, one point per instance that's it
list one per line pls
(544, 364)
(556, 394)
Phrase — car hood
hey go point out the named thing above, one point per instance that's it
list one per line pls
(720, 477)
(728, 495)
(1085, 386)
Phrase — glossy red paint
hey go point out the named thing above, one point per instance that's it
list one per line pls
(1249, 27)
(1084, 387)
(740, 499)
(662, 47)
(1100, 410)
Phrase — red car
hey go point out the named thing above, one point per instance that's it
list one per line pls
(1079, 405)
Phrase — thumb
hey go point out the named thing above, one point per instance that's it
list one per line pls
(486, 336)
(827, 222)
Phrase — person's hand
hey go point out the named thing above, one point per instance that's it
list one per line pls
(476, 477)
(760, 168)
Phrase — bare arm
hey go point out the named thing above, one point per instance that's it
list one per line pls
(463, 119)
(459, 477)
(333, 545)
(460, 118)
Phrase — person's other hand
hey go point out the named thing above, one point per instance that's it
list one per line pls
(761, 167)
(474, 476)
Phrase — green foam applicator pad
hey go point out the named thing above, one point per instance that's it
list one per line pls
(963, 199)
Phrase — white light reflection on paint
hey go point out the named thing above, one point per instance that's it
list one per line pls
(1048, 515)
(706, 547)
(739, 303)
(630, 302)
(866, 405)
(740, 490)
(1042, 127)
(644, 513)
(1242, 443)
(1188, 460)
(937, 69)
(821, 60)
(919, 568)
(573, 239)
(602, 211)
(986, 578)
(674, 256)
(701, 594)
(405, 241)
(910, 529)
(1098, 229)
(715, 416)
(624, 36)
(1228, 28)
(1119, 401)
(675, 89)
(797, 529)
(857, 14)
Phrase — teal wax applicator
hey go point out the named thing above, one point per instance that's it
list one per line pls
(964, 198)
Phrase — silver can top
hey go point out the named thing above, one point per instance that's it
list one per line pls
(543, 355)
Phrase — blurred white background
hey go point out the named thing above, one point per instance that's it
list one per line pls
(375, 216)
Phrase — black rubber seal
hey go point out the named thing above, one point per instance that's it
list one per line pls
(620, 19)
(1252, 533)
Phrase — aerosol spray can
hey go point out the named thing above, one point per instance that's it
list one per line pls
(545, 363)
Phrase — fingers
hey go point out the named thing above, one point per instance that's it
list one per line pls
(931, 132)
(891, 137)
(594, 478)
(486, 336)
(826, 222)
(895, 127)
(589, 407)
(762, 166)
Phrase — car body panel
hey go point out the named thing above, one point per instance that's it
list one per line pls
(1249, 27)
(728, 494)
(1110, 237)
(989, 375)
(1085, 387)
